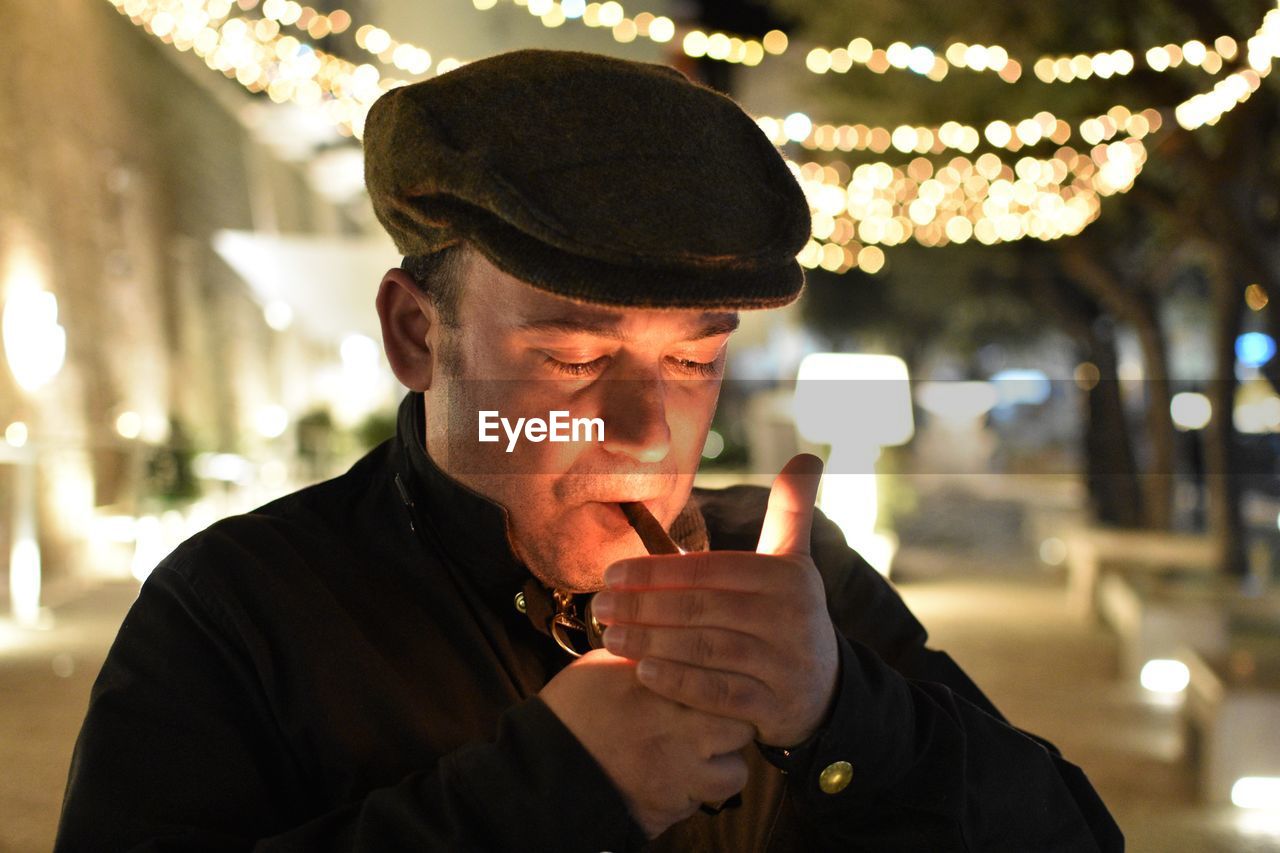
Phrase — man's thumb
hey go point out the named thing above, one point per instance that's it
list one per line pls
(789, 518)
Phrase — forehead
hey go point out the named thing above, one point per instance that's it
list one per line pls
(495, 298)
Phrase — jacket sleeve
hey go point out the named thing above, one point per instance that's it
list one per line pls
(933, 764)
(177, 753)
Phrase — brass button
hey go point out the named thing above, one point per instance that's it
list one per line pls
(836, 777)
(520, 605)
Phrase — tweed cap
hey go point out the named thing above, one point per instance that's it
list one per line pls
(599, 179)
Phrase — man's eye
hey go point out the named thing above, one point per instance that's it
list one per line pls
(577, 368)
(697, 368)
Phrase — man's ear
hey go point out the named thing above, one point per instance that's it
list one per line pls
(410, 327)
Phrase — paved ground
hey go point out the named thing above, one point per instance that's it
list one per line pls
(1052, 675)
(1047, 672)
(45, 678)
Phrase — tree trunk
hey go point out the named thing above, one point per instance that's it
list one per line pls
(1111, 469)
(1084, 262)
(1222, 473)
(1159, 480)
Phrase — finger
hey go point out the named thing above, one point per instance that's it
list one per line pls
(744, 571)
(721, 734)
(726, 694)
(685, 608)
(719, 778)
(709, 648)
(789, 517)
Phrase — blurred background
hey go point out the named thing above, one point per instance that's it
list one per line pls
(1037, 346)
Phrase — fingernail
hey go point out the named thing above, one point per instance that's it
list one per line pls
(614, 574)
(646, 670)
(602, 605)
(615, 638)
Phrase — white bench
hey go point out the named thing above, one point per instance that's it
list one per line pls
(1232, 716)
(1154, 620)
(1091, 552)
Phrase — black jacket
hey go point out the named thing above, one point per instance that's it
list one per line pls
(346, 669)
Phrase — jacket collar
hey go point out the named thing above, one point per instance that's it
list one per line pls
(468, 527)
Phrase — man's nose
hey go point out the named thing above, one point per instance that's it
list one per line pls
(635, 418)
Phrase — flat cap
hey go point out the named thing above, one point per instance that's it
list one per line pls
(599, 179)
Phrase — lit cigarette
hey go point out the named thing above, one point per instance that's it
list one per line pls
(655, 539)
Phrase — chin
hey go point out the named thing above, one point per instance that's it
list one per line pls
(581, 569)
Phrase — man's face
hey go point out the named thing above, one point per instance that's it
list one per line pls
(651, 376)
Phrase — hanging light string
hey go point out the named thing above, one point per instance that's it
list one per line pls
(985, 199)
(1010, 135)
(949, 135)
(856, 210)
(1260, 52)
(877, 204)
(257, 55)
(861, 52)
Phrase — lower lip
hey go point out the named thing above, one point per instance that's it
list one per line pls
(611, 515)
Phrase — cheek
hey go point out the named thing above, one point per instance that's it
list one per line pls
(689, 418)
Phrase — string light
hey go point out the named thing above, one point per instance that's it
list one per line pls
(919, 59)
(861, 52)
(659, 29)
(725, 47)
(1043, 127)
(255, 54)
(1207, 108)
(1118, 63)
(984, 199)
(855, 210)
(1256, 297)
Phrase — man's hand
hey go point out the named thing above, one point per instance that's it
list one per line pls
(665, 759)
(733, 633)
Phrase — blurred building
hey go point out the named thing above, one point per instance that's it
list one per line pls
(121, 163)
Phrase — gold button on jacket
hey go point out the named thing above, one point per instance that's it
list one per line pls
(835, 778)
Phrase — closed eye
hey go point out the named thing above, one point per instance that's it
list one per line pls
(687, 366)
(577, 368)
(696, 368)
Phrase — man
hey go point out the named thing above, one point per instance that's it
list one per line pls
(380, 662)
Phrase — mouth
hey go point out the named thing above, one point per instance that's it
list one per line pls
(615, 514)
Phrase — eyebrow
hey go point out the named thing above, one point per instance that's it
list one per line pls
(607, 326)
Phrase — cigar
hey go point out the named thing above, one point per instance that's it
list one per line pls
(655, 539)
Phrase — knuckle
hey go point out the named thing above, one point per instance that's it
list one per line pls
(704, 648)
(639, 573)
(746, 696)
(722, 692)
(739, 647)
(699, 568)
(638, 641)
(623, 605)
(677, 677)
(739, 733)
(719, 736)
(691, 608)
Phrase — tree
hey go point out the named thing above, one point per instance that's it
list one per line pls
(1207, 200)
